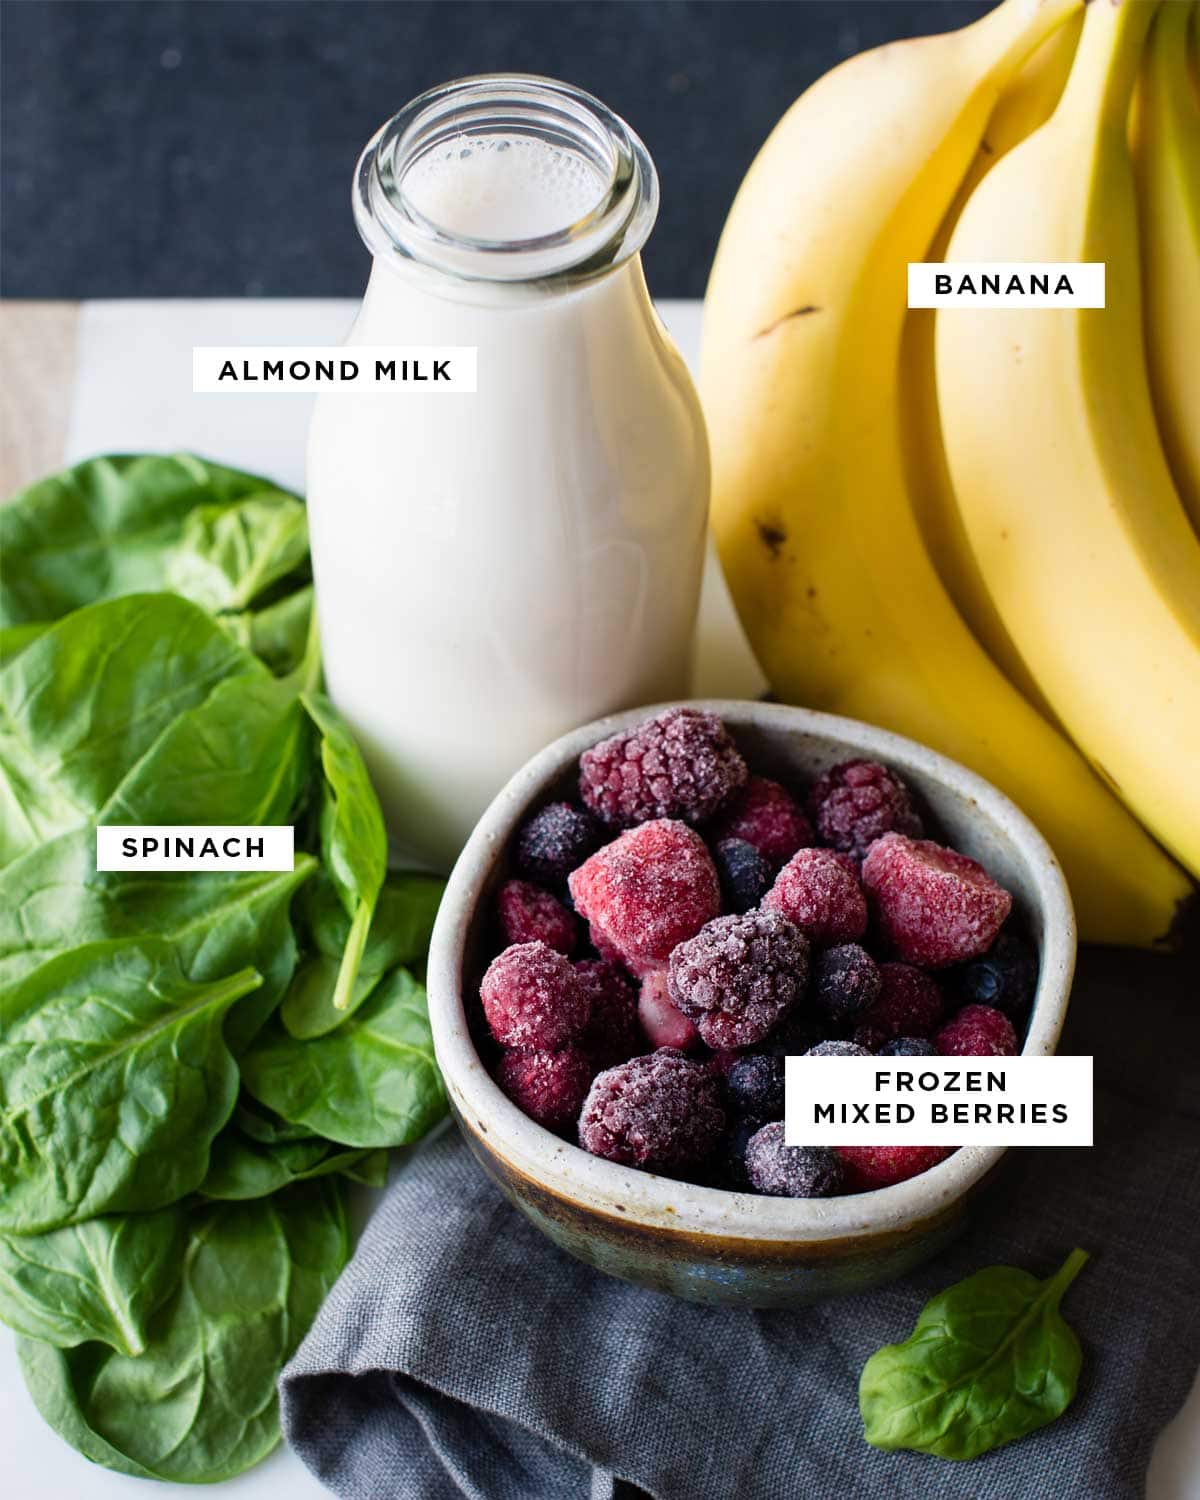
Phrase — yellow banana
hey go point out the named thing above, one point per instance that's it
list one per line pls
(1166, 145)
(1024, 106)
(1056, 458)
(800, 370)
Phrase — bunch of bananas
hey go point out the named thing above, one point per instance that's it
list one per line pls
(972, 526)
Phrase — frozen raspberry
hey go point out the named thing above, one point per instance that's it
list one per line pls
(745, 875)
(650, 889)
(1005, 976)
(661, 1112)
(549, 1087)
(846, 981)
(817, 892)
(739, 976)
(790, 1171)
(681, 764)
(767, 816)
(978, 1031)
(556, 841)
(663, 1024)
(528, 914)
(613, 1033)
(910, 1004)
(532, 998)
(870, 1167)
(859, 801)
(907, 1046)
(935, 906)
(755, 1087)
(837, 1049)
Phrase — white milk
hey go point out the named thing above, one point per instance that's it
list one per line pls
(494, 569)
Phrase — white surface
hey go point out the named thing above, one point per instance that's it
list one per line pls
(133, 392)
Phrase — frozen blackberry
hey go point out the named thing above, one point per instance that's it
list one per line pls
(1004, 977)
(647, 891)
(744, 874)
(790, 1171)
(907, 1046)
(549, 1087)
(859, 801)
(556, 841)
(978, 1031)
(910, 1003)
(739, 976)
(846, 981)
(837, 1049)
(935, 906)
(663, 1024)
(613, 1033)
(533, 999)
(529, 914)
(661, 1112)
(819, 892)
(755, 1087)
(681, 764)
(767, 816)
(870, 1167)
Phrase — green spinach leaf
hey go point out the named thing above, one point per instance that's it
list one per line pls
(100, 1280)
(990, 1360)
(241, 1167)
(277, 634)
(200, 1404)
(372, 1082)
(114, 1078)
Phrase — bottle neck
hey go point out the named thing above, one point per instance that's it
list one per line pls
(505, 184)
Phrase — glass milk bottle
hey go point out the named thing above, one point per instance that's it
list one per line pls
(493, 569)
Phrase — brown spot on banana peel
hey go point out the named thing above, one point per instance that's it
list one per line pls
(771, 535)
(798, 312)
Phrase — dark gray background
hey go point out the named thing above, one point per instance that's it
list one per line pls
(156, 148)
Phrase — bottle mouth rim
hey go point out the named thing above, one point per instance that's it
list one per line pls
(393, 226)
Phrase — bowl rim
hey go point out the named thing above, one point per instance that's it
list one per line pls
(637, 1197)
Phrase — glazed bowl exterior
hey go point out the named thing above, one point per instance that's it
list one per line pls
(704, 1243)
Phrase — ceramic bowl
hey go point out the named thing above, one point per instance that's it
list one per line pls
(703, 1243)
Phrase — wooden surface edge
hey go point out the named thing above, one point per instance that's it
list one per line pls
(37, 377)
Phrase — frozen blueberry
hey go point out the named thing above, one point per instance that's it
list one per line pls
(837, 1049)
(681, 764)
(819, 892)
(935, 906)
(744, 873)
(661, 1112)
(533, 999)
(767, 816)
(556, 841)
(529, 914)
(739, 976)
(794, 1035)
(549, 1087)
(846, 981)
(733, 1154)
(857, 802)
(1004, 977)
(790, 1171)
(755, 1086)
(907, 1046)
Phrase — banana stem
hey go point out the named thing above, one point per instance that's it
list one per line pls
(1006, 36)
(1101, 84)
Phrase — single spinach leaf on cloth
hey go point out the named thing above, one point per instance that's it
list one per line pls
(990, 1360)
(114, 1078)
(353, 837)
(241, 1167)
(100, 1280)
(126, 525)
(372, 1082)
(200, 1405)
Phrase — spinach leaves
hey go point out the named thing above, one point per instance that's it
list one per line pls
(990, 1360)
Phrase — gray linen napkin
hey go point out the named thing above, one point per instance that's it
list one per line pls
(461, 1354)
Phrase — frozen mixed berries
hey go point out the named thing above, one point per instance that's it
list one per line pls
(1005, 976)
(663, 1024)
(818, 892)
(681, 764)
(529, 914)
(869, 1167)
(934, 906)
(978, 1031)
(612, 1033)
(744, 874)
(755, 1086)
(767, 816)
(859, 801)
(795, 1035)
(556, 841)
(908, 1046)
(739, 976)
(533, 998)
(647, 891)
(846, 981)
(790, 1171)
(835, 1048)
(661, 1112)
(910, 1003)
(549, 1087)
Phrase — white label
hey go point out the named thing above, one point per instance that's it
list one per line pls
(271, 369)
(1002, 283)
(938, 1101)
(199, 846)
